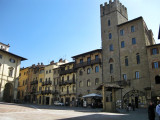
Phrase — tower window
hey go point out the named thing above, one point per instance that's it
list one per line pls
(124, 77)
(109, 22)
(126, 61)
(111, 68)
(111, 47)
(132, 29)
(137, 75)
(122, 32)
(110, 36)
(0, 56)
(122, 44)
(133, 41)
(138, 58)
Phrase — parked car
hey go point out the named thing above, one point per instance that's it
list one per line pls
(58, 103)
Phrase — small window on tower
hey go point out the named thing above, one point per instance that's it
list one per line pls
(109, 22)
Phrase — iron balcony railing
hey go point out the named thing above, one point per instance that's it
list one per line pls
(64, 72)
(34, 82)
(67, 82)
(88, 63)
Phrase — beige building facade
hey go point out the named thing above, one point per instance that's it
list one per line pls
(125, 60)
(88, 68)
(9, 73)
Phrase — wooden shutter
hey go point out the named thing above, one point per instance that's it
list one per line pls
(151, 52)
(152, 64)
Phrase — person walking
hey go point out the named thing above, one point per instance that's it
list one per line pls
(151, 112)
(158, 109)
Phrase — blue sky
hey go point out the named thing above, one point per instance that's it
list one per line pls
(45, 30)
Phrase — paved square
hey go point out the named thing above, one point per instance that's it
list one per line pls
(11, 111)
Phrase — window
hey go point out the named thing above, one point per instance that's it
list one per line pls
(88, 83)
(80, 72)
(155, 65)
(122, 32)
(124, 77)
(154, 51)
(96, 69)
(133, 41)
(49, 71)
(122, 44)
(157, 79)
(73, 88)
(88, 70)
(12, 60)
(110, 36)
(132, 29)
(68, 77)
(109, 22)
(111, 47)
(81, 60)
(89, 60)
(96, 57)
(40, 80)
(80, 84)
(137, 75)
(111, 68)
(0, 56)
(96, 81)
(126, 61)
(62, 89)
(138, 58)
(10, 72)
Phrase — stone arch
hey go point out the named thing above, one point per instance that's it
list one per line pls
(111, 60)
(135, 97)
(8, 92)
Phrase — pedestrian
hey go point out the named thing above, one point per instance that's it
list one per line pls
(151, 112)
(158, 109)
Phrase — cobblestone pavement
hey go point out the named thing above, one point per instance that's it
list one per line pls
(11, 111)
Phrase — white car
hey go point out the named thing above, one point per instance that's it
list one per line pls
(58, 103)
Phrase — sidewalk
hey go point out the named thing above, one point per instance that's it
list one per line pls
(138, 114)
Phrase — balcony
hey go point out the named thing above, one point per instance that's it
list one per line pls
(84, 64)
(64, 72)
(123, 82)
(33, 91)
(34, 82)
(46, 83)
(55, 92)
(67, 82)
(68, 92)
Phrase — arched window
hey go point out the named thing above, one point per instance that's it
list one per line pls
(111, 60)
(96, 81)
(138, 58)
(111, 68)
(88, 70)
(88, 83)
(80, 72)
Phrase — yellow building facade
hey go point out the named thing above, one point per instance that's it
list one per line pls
(22, 84)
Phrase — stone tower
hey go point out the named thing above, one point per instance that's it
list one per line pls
(112, 14)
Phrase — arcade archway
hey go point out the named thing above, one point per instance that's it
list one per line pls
(135, 97)
(8, 92)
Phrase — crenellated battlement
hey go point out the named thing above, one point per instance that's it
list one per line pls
(113, 6)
